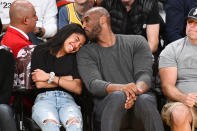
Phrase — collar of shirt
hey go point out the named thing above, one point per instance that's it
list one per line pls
(23, 33)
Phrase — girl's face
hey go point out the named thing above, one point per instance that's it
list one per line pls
(73, 43)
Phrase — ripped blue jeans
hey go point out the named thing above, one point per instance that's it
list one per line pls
(60, 107)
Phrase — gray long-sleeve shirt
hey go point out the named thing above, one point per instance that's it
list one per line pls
(128, 60)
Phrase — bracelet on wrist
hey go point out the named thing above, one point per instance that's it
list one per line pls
(52, 76)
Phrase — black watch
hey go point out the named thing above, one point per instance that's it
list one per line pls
(39, 33)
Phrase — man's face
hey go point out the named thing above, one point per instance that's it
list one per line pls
(32, 18)
(191, 29)
(81, 1)
(91, 26)
(127, 4)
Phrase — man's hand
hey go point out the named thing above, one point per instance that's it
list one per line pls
(39, 31)
(129, 103)
(131, 92)
(40, 76)
(190, 99)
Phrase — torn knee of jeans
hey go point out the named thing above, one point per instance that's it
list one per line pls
(72, 120)
(50, 120)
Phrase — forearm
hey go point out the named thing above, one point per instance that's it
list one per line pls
(114, 87)
(45, 85)
(153, 45)
(50, 30)
(129, 89)
(65, 82)
(153, 36)
(74, 85)
(173, 93)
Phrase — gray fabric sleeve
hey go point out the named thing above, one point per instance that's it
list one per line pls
(167, 57)
(90, 74)
(142, 61)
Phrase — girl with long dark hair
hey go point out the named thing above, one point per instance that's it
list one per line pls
(55, 74)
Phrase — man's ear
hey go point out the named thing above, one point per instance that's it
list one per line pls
(25, 20)
(103, 20)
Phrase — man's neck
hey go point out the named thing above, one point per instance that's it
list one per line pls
(20, 27)
(194, 42)
(20, 30)
(107, 39)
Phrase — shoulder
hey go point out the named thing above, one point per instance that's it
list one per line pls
(63, 9)
(130, 37)
(89, 46)
(174, 47)
(12, 40)
(13, 36)
(89, 49)
(4, 48)
(177, 44)
(131, 40)
(40, 48)
(70, 5)
(40, 51)
(5, 53)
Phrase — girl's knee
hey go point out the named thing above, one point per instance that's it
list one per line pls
(74, 122)
(180, 115)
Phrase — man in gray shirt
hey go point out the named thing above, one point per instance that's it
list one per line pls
(117, 70)
(178, 72)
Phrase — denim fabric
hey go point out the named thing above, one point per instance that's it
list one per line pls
(59, 106)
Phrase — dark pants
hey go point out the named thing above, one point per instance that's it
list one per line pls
(7, 122)
(112, 115)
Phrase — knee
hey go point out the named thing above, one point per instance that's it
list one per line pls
(145, 103)
(50, 121)
(5, 110)
(117, 98)
(145, 100)
(49, 124)
(181, 115)
(74, 121)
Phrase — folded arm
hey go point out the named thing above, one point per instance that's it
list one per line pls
(67, 82)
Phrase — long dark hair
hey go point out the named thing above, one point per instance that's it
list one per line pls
(56, 43)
